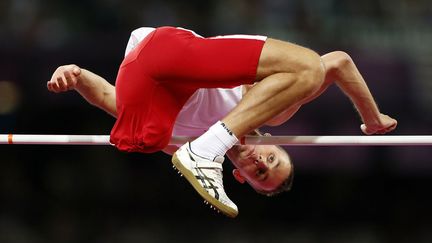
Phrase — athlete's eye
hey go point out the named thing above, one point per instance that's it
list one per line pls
(271, 158)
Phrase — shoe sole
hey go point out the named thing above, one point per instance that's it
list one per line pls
(190, 177)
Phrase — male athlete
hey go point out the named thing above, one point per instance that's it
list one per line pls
(174, 82)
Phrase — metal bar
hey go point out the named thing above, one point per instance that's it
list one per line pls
(387, 140)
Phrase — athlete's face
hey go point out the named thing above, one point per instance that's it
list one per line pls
(264, 167)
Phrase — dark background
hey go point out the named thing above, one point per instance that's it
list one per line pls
(97, 194)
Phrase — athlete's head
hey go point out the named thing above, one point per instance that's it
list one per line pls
(267, 168)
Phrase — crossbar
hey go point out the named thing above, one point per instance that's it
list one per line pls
(376, 140)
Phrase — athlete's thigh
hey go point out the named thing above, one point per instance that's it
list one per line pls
(226, 61)
(282, 57)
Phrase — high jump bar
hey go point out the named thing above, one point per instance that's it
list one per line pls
(374, 140)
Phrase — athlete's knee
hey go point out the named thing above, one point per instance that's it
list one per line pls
(312, 74)
(315, 66)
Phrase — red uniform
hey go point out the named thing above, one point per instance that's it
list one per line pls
(157, 77)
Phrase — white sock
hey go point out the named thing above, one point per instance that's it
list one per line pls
(216, 141)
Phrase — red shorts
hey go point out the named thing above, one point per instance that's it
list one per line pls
(157, 78)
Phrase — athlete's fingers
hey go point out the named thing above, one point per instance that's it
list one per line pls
(70, 80)
(62, 82)
(55, 83)
(51, 86)
(68, 77)
(380, 132)
(392, 127)
(64, 78)
(50, 83)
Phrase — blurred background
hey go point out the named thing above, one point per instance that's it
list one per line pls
(97, 194)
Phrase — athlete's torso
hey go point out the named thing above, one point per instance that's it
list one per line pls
(204, 108)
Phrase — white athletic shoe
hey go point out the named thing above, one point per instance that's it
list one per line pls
(206, 178)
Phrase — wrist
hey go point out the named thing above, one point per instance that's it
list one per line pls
(371, 119)
(368, 111)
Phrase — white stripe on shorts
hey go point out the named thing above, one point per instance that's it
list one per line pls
(250, 37)
(193, 32)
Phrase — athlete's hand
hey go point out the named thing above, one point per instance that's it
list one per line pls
(64, 78)
(384, 125)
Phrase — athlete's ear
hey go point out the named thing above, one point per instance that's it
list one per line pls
(238, 176)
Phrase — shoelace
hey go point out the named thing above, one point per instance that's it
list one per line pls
(213, 170)
(216, 174)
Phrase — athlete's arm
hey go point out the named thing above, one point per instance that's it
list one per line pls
(95, 89)
(341, 70)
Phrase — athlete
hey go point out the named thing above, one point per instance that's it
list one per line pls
(174, 82)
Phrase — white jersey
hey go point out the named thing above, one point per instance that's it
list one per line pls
(204, 108)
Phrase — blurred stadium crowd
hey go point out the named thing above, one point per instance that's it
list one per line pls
(96, 194)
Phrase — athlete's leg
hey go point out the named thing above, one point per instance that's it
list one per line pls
(331, 64)
(287, 74)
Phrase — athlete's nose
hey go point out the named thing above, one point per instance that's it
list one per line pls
(261, 164)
